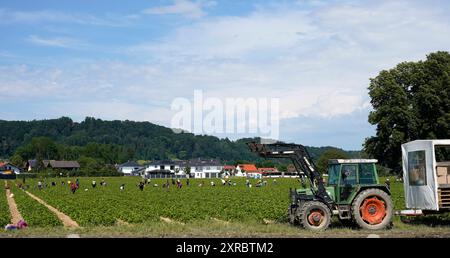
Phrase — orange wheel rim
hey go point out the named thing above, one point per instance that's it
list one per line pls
(373, 210)
(315, 218)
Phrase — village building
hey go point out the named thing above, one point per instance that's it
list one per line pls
(61, 164)
(269, 172)
(243, 170)
(228, 170)
(8, 168)
(204, 168)
(130, 168)
(31, 164)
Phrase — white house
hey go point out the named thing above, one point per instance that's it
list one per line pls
(246, 170)
(8, 168)
(130, 167)
(204, 168)
(172, 166)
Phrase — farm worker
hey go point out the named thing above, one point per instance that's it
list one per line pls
(141, 186)
(122, 187)
(223, 182)
(40, 185)
(212, 183)
(187, 181)
(247, 183)
(78, 182)
(94, 184)
(73, 188)
(274, 181)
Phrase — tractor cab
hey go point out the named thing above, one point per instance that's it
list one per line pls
(346, 177)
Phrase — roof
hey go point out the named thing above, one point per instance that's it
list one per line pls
(130, 164)
(434, 142)
(267, 170)
(226, 167)
(32, 163)
(163, 162)
(61, 163)
(248, 167)
(160, 171)
(204, 162)
(352, 161)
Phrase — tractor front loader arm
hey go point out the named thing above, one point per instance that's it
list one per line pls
(302, 161)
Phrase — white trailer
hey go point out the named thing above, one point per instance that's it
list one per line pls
(426, 176)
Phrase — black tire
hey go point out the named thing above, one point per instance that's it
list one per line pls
(367, 214)
(315, 215)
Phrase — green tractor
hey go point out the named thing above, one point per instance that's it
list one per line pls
(353, 191)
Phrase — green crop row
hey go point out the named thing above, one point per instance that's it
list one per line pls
(34, 213)
(5, 216)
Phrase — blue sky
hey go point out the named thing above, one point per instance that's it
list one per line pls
(129, 60)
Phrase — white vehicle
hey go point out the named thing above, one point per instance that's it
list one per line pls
(426, 176)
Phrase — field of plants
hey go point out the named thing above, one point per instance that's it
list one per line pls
(105, 205)
(4, 209)
(106, 210)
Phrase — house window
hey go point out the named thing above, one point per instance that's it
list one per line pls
(172, 167)
(162, 167)
(417, 168)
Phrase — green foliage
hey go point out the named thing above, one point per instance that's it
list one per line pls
(115, 142)
(34, 213)
(5, 216)
(410, 101)
(322, 163)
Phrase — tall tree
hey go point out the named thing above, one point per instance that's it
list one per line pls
(410, 101)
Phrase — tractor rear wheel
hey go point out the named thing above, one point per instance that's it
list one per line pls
(372, 209)
(315, 215)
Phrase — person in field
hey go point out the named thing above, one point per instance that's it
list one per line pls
(73, 187)
(213, 183)
(187, 181)
(122, 187)
(179, 184)
(141, 186)
(223, 182)
(39, 185)
(94, 183)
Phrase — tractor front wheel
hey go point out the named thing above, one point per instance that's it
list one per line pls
(372, 209)
(315, 215)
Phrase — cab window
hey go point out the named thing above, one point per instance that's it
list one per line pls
(348, 174)
(333, 175)
(367, 174)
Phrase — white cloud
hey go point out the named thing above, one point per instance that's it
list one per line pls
(192, 9)
(63, 42)
(317, 61)
(8, 16)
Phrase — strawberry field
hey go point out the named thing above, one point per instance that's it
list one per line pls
(105, 205)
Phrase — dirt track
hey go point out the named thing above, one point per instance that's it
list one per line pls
(15, 213)
(66, 220)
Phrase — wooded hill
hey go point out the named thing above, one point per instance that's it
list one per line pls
(118, 141)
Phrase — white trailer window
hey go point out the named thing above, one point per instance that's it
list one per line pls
(417, 168)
